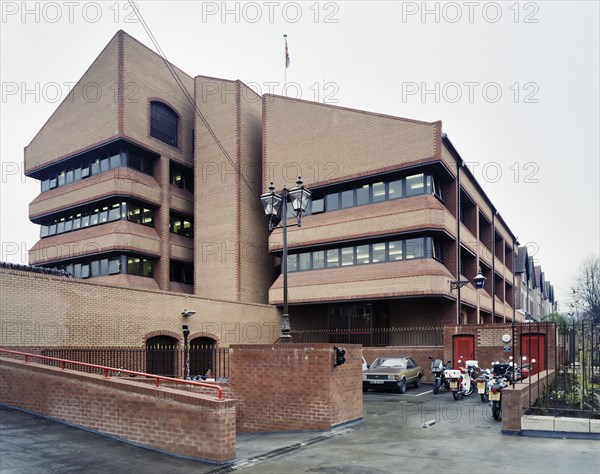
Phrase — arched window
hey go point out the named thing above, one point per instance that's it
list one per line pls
(163, 123)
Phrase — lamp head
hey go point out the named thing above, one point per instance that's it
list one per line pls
(186, 313)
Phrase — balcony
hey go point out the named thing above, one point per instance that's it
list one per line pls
(117, 182)
(390, 217)
(114, 236)
(413, 278)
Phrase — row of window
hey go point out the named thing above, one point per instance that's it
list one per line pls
(376, 192)
(99, 215)
(131, 265)
(420, 247)
(91, 268)
(104, 160)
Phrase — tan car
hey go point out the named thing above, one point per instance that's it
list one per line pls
(392, 372)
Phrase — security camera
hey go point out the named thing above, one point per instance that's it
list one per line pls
(186, 313)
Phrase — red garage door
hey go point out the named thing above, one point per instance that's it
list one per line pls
(463, 348)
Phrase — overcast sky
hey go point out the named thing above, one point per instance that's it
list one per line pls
(516, 86)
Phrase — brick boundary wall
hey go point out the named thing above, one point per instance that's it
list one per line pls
(124, 409)
(516, 399)
(294, 387)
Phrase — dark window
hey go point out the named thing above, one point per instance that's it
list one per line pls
(332, 201)
(348, 198)
(182, 177)
(163, 123)
(181, 225)
(182, 272)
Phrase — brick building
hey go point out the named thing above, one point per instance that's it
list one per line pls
(137, 192)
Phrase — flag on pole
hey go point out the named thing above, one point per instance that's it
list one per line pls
(287, 54)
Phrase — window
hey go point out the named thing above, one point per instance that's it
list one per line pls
(292, 263)
(318, 259)
(348, 198)
(415, 248)
(139, 266)
(395, 250)
(362, 254)
(379, 252)
(333, 258)
(304, 261)
(415, 184)
(181, 177)
(332, 202)
(362, 195)
(395, 189)
(163, 123)
(347, 256)
(181, 225)
(182, 272)
(378, 192)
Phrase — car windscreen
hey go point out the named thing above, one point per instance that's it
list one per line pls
(389, 363)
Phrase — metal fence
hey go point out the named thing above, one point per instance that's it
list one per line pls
(575, 390)
(160, 360)
(375, 337)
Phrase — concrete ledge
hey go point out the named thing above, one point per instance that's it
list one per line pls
(559, 424)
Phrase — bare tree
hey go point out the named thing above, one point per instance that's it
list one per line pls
(587, 288)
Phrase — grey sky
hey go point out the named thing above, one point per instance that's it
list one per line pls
(516, 86)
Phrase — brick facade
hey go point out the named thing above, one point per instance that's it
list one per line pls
(45, 310)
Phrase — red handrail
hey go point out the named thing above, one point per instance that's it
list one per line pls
(107, 370)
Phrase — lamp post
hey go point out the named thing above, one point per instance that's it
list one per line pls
(275, 207)
(186, 352)
(479, 281)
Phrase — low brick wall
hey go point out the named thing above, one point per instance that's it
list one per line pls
(168, 419)
(517, 398)
(290, 387)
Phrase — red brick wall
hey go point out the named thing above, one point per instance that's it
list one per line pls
(489, 346)
(517, 398)
(290, 387)
(124, 408)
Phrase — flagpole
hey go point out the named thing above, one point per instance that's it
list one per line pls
(285, 64)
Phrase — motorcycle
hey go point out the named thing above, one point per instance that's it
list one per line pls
(461, 379)
(495, 396)
(484, 383)
(437, 369)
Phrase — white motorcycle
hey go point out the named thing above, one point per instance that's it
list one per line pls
(461, 380)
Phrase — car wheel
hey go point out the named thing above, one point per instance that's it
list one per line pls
(418, 381)
(402, 386)
(437, 385)
(365, 389)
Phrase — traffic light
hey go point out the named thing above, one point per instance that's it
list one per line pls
(339, 356)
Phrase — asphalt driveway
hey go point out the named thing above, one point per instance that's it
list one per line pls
(463, 437)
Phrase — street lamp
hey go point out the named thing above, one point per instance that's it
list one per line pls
(479, 281)
(186, 352)
(275, 207)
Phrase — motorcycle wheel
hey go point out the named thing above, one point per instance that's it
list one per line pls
(437, 383)
(484, 397)
(455, 394)
(471, 389)
(497, 411)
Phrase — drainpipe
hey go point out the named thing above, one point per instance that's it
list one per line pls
(493, 265)
(459, 164)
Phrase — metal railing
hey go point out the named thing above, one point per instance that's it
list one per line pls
(106, 371)
(162, 360)
(374, 337)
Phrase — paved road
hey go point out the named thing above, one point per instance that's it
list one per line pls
(464, 438)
